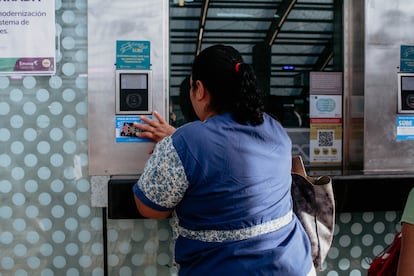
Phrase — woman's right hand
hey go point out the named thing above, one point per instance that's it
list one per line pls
(154, 130)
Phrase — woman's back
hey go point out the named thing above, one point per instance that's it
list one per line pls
(238, 194)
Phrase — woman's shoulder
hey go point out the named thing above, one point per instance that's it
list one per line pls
(188, 127)
(408, 214)
(274, 124)
(191, 129)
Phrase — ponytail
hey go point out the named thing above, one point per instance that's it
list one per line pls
(249, 106)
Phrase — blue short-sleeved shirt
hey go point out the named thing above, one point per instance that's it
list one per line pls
(229, 185)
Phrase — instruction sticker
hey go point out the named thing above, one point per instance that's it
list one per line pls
(125, 130)
(405, 128)
(133, 55)
(407, 58)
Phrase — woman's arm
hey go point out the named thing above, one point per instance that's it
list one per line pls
(148, 212)
(406, 260)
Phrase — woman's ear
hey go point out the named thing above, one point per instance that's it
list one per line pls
(200, 90)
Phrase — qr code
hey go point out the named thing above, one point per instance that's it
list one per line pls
(325, 138)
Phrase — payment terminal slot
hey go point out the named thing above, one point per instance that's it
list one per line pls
(133, 92)
(406, 93)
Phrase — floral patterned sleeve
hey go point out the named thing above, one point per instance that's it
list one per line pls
(163, 182)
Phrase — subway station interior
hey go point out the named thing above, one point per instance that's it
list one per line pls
(335, 73)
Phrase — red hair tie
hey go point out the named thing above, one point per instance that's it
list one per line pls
(237, 67)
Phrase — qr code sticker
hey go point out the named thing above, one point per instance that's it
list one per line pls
(325, 138)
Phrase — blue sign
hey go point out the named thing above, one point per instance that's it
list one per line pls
(125, 130)
(407, 58)
(405, 127)
(132, 55)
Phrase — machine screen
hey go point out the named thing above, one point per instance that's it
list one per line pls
(407, 83)
(134, 81)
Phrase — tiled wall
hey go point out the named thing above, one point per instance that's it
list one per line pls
(359, 237)
(47, 224)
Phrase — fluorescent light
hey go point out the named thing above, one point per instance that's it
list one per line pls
(224, 14)
(181, 2)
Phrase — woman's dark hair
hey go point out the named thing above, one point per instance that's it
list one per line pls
(231, 82)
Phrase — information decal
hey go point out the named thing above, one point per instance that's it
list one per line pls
(405, 127)
(27, 37)
(125, 130)
(406, 58)
(131, 54)
(325, 114)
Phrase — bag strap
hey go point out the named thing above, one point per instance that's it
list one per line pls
(298, 167)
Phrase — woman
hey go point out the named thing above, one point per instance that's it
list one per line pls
(406, 264)
(226, 178)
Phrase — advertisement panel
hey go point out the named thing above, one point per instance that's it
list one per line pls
(27, 37)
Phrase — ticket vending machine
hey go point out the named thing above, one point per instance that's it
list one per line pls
(133, 96)
(128, 77)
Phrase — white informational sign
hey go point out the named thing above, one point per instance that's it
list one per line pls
(325, 106)
(27, 37)
(325, 83)
(325, 114)
(405, 127)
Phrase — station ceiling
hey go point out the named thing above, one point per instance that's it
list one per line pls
(300, 35)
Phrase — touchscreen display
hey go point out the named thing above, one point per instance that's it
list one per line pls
(407, 83)
(134, 81)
